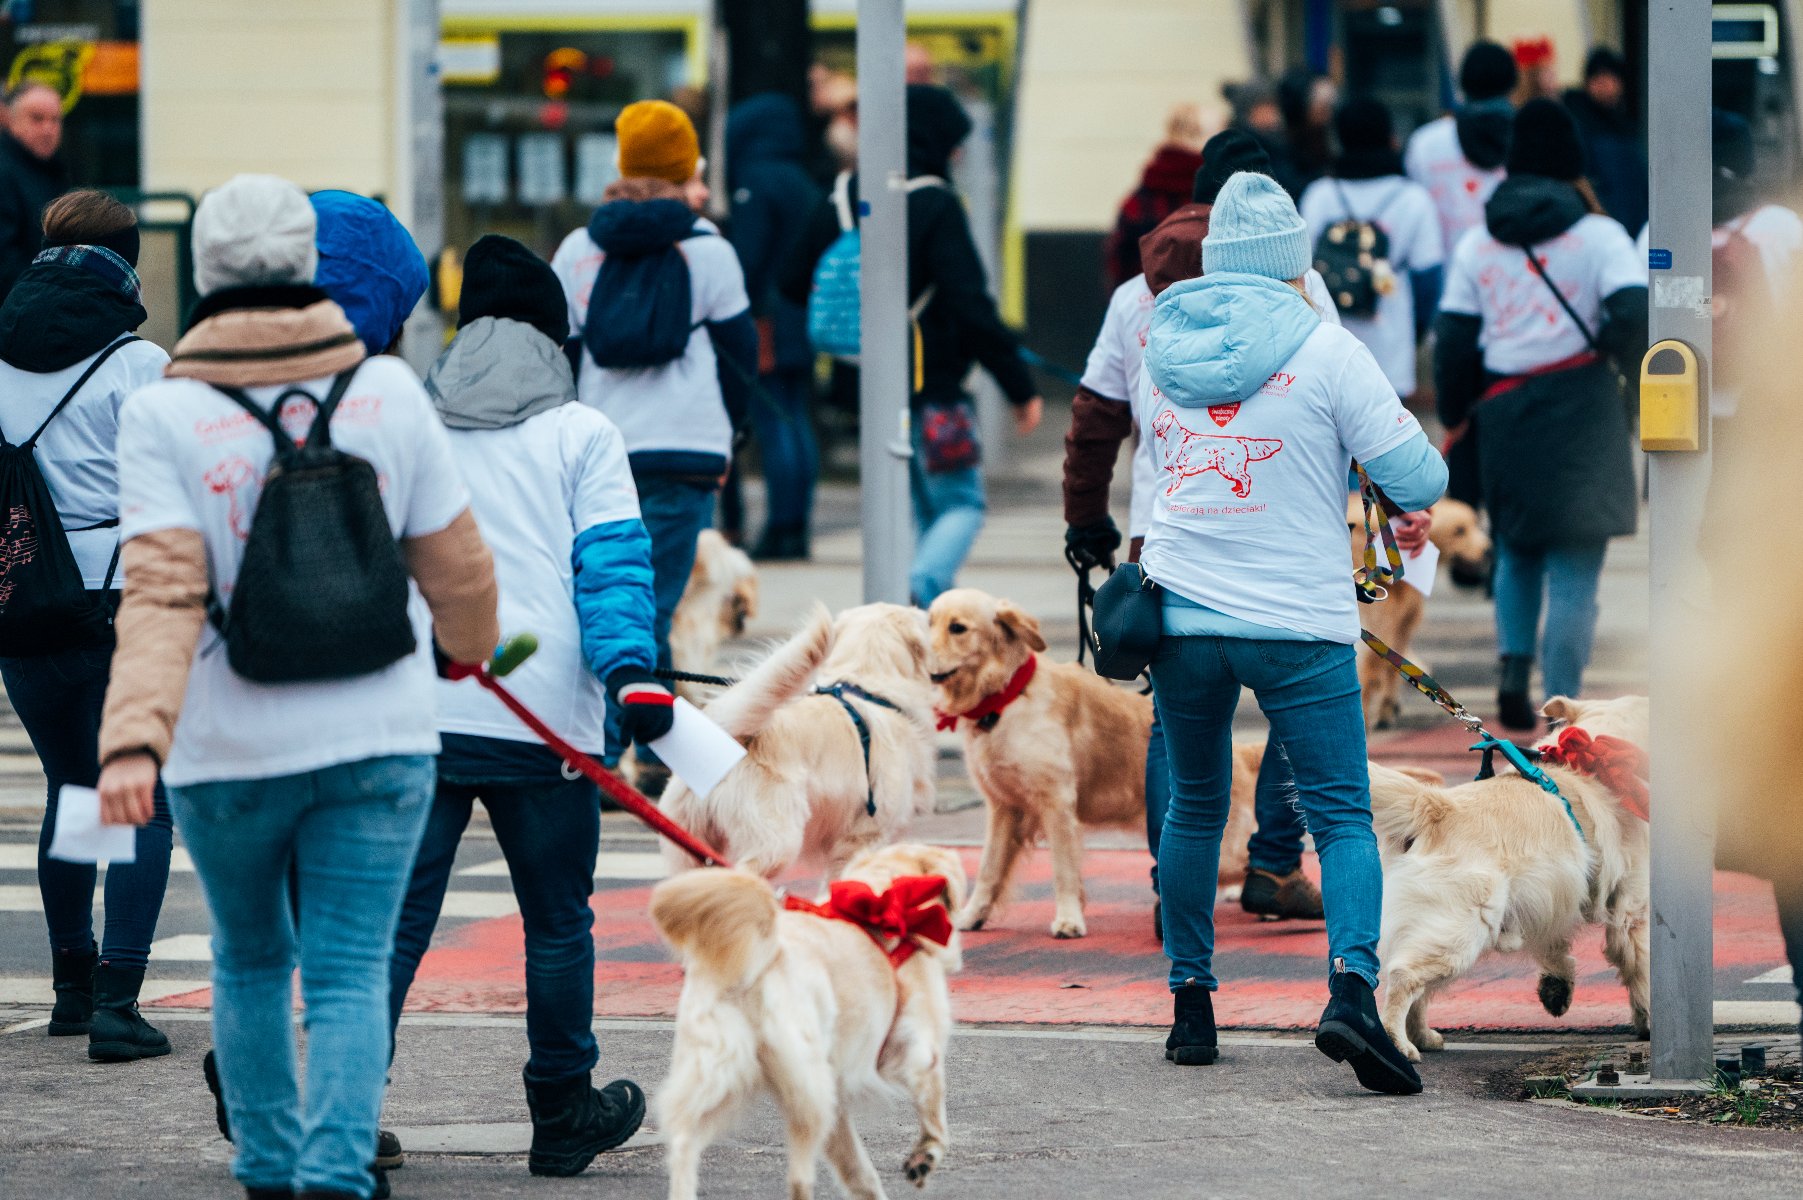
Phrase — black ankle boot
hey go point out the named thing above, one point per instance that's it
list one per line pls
(209, 1069)
(1351, 1032)
(72, 975)
(118, 1033)
(1192, 1040)
(572, 1121)
(1515, 708)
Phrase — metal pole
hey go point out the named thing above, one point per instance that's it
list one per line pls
(883, 452)
(1681, 932)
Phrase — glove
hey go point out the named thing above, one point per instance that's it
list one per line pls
(647, 709)
(1090, 546)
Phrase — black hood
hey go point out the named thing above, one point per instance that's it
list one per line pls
(764, 128)
(633, 228)
(1526, 210)
(56, 315)
(1484, 127)
(937, 125)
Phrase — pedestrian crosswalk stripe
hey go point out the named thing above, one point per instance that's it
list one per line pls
(20, 897)
(609, 864)
(23, 856)
(479, 904)
(1775, 975)
(183, 947)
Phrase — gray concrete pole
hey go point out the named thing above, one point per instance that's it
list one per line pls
(883, 452)
(1683, 810)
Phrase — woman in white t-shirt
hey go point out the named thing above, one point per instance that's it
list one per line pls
(1259, 408)
(1539, 307)
(1367, 184)
(325, 783)
(67, 361)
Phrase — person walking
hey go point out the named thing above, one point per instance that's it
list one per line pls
(301, 803)
(68, 360)
(1164, 187)
(553, 496)
(369, 265)
(958, 327)
(1367, 185)
(1539, 309)
(1458, 158)
(674, 378)
(1614, 160)
(1259, 410)
(772, 198)
(32, 173)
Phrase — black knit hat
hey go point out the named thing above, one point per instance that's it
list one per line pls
(1225, 153)
(1605, 60)
(1546, 143)
(502, 278)
(1488, 71)
(1364, 124)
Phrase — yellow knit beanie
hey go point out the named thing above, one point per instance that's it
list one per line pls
(657, 141)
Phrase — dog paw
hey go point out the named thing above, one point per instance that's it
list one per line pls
(971, 919)
(1430, 1041)
(1643, 1029)
(1555, 994)
(1069, 927)
(920, 1164)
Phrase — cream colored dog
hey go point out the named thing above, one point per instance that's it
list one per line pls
(719, 600)
(802, 791)
(1459, 536)
(1496, 865)
(809, 1009)
(1069, 752)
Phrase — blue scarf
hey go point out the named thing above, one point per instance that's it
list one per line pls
(97, 260)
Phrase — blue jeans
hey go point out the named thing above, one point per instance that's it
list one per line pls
(948, 516)
(1276, 845)
(548, 828)
(348, 835)
(1310, 693)
(58, 698)
(785, 434)
(1566, 579)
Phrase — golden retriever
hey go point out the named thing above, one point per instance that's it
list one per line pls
(803, 791)
(1459, 536)
(719, 600)
(1071, 751)
(1496, 865)
(809, 1009)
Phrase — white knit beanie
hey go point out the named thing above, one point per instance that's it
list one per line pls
(1254, 229)
(254, 229)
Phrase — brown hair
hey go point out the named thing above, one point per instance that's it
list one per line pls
(84, 217)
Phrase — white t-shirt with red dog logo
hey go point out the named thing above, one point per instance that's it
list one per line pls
(1249, 504)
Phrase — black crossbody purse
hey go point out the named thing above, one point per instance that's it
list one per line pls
(1129, 621)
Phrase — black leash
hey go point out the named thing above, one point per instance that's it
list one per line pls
(676, 676)
(1086, 599)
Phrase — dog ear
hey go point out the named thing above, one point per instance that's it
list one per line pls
(1018, 624)
(1559, 710)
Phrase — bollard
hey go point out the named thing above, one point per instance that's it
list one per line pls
(1727, 1068)
(1607, 1076)
(1752, 1060)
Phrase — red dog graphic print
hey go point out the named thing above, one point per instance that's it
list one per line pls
(1198, 453)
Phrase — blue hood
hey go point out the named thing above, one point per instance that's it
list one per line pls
(764, 128)
(368, 264)
(1222, 336)
(632, 228)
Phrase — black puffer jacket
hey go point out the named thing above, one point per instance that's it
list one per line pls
(960, 326)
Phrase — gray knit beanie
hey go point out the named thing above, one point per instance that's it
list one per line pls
(254, 229)
(1255, 230)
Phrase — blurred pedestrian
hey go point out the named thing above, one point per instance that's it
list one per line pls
(553, 496)
(773, 198)
(1541, 313)
(300, 803)
(1164, 187)
(1367, 185)
(369, 265)
(674, 377)
(1307, 100)
(68, 360)
(1614, 159)
(32, 173)
(958, 327)
(1250, 552)
(1458, 158)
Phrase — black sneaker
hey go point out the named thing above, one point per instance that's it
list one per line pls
(572, 1122)
(1192, 1040)
(1281, 896)
(388, 1151)
(1350, 1032)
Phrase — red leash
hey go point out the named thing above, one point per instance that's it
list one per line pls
(623, 794)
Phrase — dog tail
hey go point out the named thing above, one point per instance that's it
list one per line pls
(1403, 807)
(746, 707)
(722, 923)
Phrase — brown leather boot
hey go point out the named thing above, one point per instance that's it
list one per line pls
(1276, 897)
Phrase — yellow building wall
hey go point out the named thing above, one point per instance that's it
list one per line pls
(1097, 82)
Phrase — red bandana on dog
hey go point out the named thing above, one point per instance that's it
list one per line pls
(1618, 765)
(990, 707)
(895, 920)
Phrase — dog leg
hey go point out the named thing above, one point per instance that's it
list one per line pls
(682, 1161)
(1625, 946)
(845, 1151)
(1001, 848)
(1420, 966)
(1558, 977)
(1066, 839)
(925, 1081)
(1426, 1038)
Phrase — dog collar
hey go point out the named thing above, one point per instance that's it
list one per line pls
(989, 709)
(1617, 764)
(896, 919)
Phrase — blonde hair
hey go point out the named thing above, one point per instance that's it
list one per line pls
(1300, 283)
(1183, 127)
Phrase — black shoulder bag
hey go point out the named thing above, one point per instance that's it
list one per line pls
(1129, 621)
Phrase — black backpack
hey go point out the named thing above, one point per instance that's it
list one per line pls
(1353, 257)
(639, 310)
(44, 605)
(322, 590)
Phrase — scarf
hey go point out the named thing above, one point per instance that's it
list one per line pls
(100, 262)
(265, 336)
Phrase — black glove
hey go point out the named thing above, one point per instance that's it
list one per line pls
(647, 709)
(1090, 546)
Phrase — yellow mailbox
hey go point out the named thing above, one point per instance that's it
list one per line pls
(1671, 398)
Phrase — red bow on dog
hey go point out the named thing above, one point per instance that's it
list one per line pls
(907, 911)
(1618, 765)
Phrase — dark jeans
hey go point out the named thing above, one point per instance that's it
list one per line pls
(1276, 845)
(1790, 923)
(785, 434)
(59, 698)
(548, 828)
